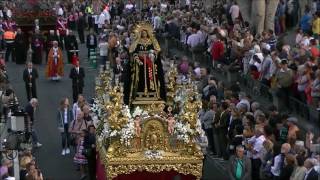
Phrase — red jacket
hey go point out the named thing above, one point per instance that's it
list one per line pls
(217, 50)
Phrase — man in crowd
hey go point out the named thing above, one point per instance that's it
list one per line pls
(54, 69)
(81, 27)
(30, 74)
(90, 149)
(91, 42)
(9, 37)
(71, 44)
(37, 47)
(77, 75)
(30, 110)
(239, 165)
(20, 46)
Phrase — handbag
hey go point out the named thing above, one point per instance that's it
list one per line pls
(73, 136)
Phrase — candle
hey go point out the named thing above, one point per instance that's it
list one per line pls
(98, 82)
(101, 68)
(107, 65)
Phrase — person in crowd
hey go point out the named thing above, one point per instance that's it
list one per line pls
(64, 118)
(77, 75)
(234, 11)
(61, 27)
(217, 50)
(81, 22)
(311, 173)
(90, 151)
(305, 21)
(79, 158)
(9, 38)
(87, 114)
(299, 170)
(255, 146)
(221, 126)
(30, 111)
(30, 75)
(20, 46)
(284, 81)
(239, 165)
(78, 105)
(206, 118)
(315, 89)
(54, 69)
(76, 126)
(33, 172)
(279, 161)
(288, 167)
(52, 36)
(71, 45)
(37, 44)
(24, 161)
(103, 49)
(91, 42)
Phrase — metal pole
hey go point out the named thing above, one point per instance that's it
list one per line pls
(16, 167)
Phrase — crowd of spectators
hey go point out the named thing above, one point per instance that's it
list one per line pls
(259, 144)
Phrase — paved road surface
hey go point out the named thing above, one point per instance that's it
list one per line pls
(49, 157)
(49, 94)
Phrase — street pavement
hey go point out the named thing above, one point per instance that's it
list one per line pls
(52, 164)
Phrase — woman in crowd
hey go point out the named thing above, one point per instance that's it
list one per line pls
(64, 118)
(79, 158)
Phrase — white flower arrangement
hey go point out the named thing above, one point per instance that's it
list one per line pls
(184, 132)
(153, 154)
(126, 133)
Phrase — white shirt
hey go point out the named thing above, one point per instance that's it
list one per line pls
(307, 174)
(65, 116)
(244, 101)
(77, 69)
(96, 19)
(257, 146)
(275, 169)
(91, 40)
(101, 20)
(156, 22)
(103, 48)
(129, 6)
(194, 40)
(74, 110)
(234, 11)
(60, 11)
(30, 71)
(9, 13)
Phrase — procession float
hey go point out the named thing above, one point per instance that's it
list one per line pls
(149, 121)
(28, 13)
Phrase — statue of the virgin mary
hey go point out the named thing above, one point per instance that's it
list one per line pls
(145, 76)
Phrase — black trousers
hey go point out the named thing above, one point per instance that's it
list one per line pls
(256, 163)
(61, 39)
(76, 90)
(31, 91)
(283, 95)
(223, 142)
(81, 36)
(92, 164)
(209, 134)
(65, 137)
(9, 51)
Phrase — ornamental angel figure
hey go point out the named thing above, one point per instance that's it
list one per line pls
(145, 73)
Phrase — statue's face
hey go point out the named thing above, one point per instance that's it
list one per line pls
(144, 34)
